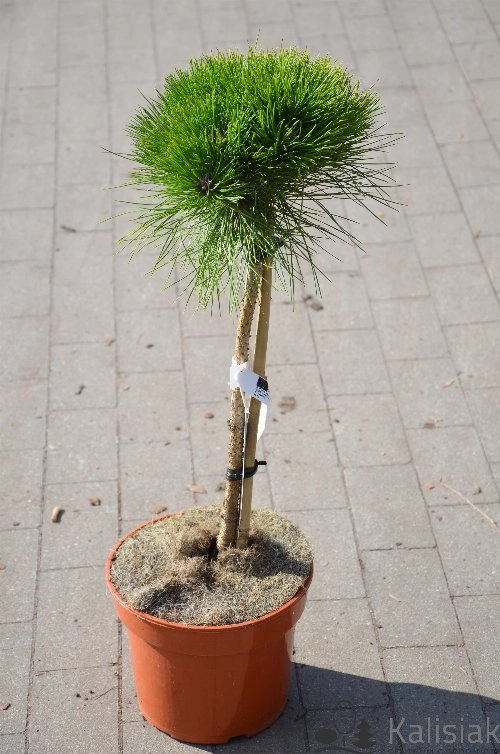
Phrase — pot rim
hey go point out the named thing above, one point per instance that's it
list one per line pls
(197, 628)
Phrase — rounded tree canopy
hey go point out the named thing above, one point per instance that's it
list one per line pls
(237, 157)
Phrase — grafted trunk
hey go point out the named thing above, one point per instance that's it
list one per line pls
(231, 508)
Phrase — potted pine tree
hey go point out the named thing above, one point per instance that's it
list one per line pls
(237, 159)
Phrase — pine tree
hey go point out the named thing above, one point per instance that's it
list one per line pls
(363, 738)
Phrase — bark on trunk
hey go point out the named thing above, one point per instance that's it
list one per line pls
(231, 508)
(259, 367)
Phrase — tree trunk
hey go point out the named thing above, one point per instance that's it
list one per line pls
(231, 508)
(259, 367)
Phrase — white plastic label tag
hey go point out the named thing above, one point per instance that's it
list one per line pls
(252, 385)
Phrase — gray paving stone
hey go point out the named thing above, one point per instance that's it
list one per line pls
(24, 346)
(388, 67)
(198, 324)
(480, 60)
(351, 362)
(151, 405)
(443, 239)
(290, 339)
(417, 148)
(476, 351)
(410, 598)
(81, 46)
(149, 341)
(25, 143)
(426, 190)
(137, 289)
(336, 45)
(472, 163)
(337, 655)
(468, 545)
(25, 289)
(90, 719)
(441, 82)
(470, 26)
(365, 33)
(388, 508)
(31, 104)
(22, 415)
(82, 376)
(139, 734)
(12, 744)
(82, 446)
(421, 15)
(392, 271)
(129, 63)
(463, 294)
(15, 645)
(344, 301)
(309, 17)
(368, 430)
(355, 8)
(488, 248)
(303, 472)
(73, 609)
(26, 234)
(21, 473)
(82, 313)
(86, 532)
(422, 49)
(485, 409)
(456, 121)
(478, 620)
(446, 693)
(337, 572)
(490, 107)
(428, 391)
(404, 108)
(81, 121)
(27, 186)
(480, 204)
(392, 228)
(302, 382)
(83, 258)
(409, 329)
(83, 162)
(454, 456)
(209, 445)
(152, 475)
(17, 587)
(82, 206)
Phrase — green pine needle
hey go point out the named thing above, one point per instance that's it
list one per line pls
(236, 158)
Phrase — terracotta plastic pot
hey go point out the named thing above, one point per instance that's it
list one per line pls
(206, 684)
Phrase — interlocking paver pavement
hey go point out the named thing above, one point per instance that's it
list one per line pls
(105, 380)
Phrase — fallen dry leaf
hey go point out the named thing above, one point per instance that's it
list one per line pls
(287, 403)
(79, 390)
(477, 490)
(197, 488)
(316, 306)
(109, 341)
(94, 500)
(393, 597)
(160, 509)
(429, 485)
(68, 228)
(56, 514)
(429, 425)
(449, 383)
(2, 566)
(5, 705)
(208, 415)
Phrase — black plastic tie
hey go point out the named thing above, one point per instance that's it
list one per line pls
(233, 475)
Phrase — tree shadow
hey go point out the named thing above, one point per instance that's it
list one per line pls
(339, 712)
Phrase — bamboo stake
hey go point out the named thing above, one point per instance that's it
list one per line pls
(259, 367)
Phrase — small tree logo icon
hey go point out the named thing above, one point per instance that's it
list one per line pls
(346, 735)
(363, 738)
